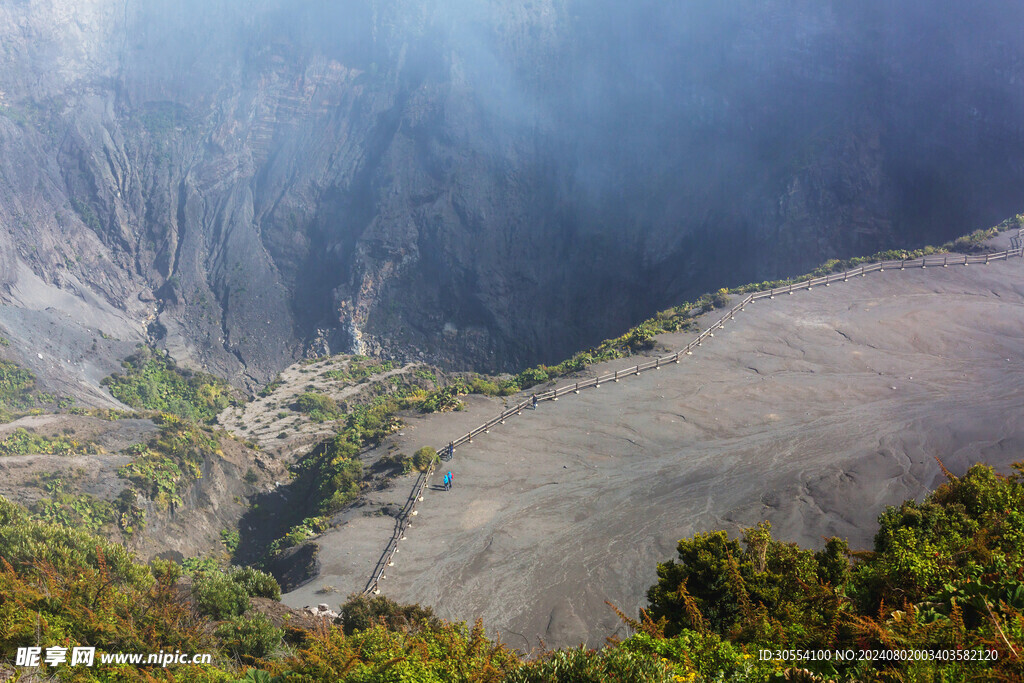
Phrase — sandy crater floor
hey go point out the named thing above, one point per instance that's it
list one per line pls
(814, 411)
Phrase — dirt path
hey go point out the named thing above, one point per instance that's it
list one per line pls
(813, 411)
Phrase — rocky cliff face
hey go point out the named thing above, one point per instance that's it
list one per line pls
(480, 184)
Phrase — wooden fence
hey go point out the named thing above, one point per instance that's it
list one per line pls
(404, 519)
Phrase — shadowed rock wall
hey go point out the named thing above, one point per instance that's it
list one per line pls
(481, 184)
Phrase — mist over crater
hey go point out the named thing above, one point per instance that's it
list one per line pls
(479, 184)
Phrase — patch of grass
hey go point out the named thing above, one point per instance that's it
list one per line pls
(153, 381)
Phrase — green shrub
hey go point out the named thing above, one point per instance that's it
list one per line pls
(16, 385)
(319, 407)
(152, 380)
(443, 400)
(720, 299)
(531, 376)
(361, 613)
(422, 459)
(479, 385)
(81, 511)
(310, 527)
(597, 666)
(22, 442)
(217, 596)
(230, 539)
(249, 637)
(257, 584)
(225, 594)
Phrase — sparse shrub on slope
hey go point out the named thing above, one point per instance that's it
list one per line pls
(319, 407)
(16, 385)
(151, 380)
(166, 466)
(23, 442)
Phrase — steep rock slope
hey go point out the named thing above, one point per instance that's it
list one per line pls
(484, 184)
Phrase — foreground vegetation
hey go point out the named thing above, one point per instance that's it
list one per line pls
(945, 576)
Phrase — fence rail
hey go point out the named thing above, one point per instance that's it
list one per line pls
(404, 519)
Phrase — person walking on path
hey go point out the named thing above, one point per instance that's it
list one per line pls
(448, 481)
(535, 401)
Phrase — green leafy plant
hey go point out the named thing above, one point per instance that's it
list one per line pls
(319, 407)
(249, 637)
(22, 442)
(153, 381)
(423, 458)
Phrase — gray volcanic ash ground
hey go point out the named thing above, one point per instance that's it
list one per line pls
(813, 411)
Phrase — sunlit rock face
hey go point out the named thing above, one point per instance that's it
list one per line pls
(481, 184)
